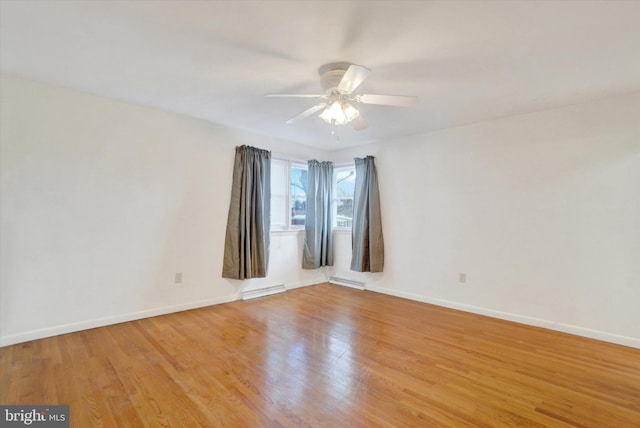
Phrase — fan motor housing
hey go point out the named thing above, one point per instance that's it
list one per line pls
(331, 75)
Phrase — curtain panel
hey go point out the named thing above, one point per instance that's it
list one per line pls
(318, 229)
(246, 247)
(366, 232)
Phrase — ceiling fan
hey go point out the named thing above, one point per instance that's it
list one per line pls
(339, 80)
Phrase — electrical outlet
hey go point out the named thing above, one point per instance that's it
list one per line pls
(178, 279)
(463, 278)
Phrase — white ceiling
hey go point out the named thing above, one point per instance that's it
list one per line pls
(468, 61)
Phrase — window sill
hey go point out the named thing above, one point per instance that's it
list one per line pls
(342, 230)
(336, 230)
(286, 231)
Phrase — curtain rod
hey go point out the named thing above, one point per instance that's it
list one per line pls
(279, 156)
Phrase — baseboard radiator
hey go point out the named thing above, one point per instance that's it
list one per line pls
(347, 282)
(261, 292)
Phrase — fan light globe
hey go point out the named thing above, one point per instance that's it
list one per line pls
(339, 113)
(350, 111)
(325, 115)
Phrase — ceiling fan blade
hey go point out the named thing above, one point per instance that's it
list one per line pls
(308, 112)
(293, 96)
(388, 100)
(358, 123)
(352, 78)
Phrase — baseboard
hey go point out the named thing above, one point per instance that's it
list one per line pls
(358, 285)
(27, 336)
(12, 339)
(533, 321)
(292, 285)
(262, 292)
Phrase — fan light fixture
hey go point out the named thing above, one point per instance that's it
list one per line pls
(339, 113)
(339, 80)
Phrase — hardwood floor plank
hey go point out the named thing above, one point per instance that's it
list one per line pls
(325, 356)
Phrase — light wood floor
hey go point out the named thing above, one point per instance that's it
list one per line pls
(326, 356)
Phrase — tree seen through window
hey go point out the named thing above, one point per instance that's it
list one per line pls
(298, 194)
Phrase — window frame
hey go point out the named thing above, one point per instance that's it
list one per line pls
(294, 163)
(288, 227)
(336, 171)
(305, 167)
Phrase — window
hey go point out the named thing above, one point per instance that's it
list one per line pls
(344, 182)
(289, 198)
(288, 194)
(298, 194)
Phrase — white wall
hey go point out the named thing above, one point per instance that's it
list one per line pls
(541, 211)
(102, 202)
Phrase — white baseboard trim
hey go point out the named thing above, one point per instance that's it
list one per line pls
(347, 283)
(27, 336)
(523, 319)
(293, 285)
(262, 292)
(12, 339)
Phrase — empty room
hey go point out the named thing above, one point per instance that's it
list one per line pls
(319, 213)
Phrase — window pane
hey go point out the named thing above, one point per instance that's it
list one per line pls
(298, 196)
(345, 212)
(345, 182)
(298, 211)
(298, 182)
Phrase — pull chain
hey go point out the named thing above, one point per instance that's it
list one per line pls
(333, 130)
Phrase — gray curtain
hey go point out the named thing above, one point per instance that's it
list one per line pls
(318, 225)
(246, 246)
(366, 231)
